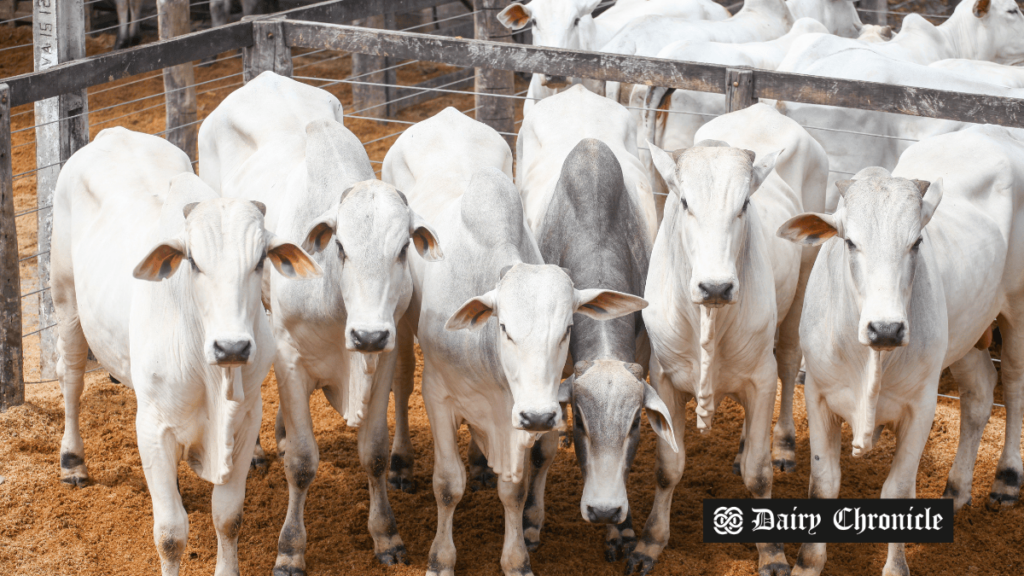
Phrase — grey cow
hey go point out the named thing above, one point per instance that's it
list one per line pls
(595, 231)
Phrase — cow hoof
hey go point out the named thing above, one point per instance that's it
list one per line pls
(531, 545)
(393, 556)
(259, 464)
(612, 548)
(784, 465)
(566, 439)
(75, 479)
(114, 380)
(998, 501)
(400, 474)
(288, 571)
(484, 480)
(73, 470)
(639, 561)
(774, 569)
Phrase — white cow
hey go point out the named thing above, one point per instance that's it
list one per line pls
(839, 16)
(193, 341)
(568, 24)
(494, 324)
(720, 286)
(689, 110)
(855, 139)
(991, 72)
(875, 33)
(553, 128)
(904, 287)
(432, 163)
(281, 142)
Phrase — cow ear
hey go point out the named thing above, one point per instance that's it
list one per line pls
(665, 166)
(515, 16)
(636, 370)
(260, 206)
(762, 168)
(606, 304)
(425, 240)
(981, 7)
(659, 417)
(843, 186)
(188, 209)
(473, 314)
(810, 228)
(321, 231)
(565, 390)
(932, 196)
(290, 260)
(162, 261)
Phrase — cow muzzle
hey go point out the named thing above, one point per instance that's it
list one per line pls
(541, 418)
(231, 352)
(881, 335)
(605, 514)
(370, 339)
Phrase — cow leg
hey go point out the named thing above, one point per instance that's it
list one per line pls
(620, 538)
(301, 459)
(787, 357)
(280, 436)
(73, 354)
(515, 559)
(824, 429)
(736, 462)
(480, 473)
(249, 7)
(373, 455)
(227, 502)
(400, 475)
(757, 465)
(976, 378)
(123, 18)
(219, 12)
(668, 473)
(259, 457)
(449, 481)
(1009, 472)
(541, 456)
(133, 31)
(159, 455)
(911, 436)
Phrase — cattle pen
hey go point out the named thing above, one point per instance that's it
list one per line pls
(479, 59)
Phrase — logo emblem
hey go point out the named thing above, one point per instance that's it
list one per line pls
(728, 520)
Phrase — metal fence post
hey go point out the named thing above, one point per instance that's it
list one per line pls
(268, 50)
(739, 89)
(498, 113)
(62, 127)
(179, 81)
(12, 384)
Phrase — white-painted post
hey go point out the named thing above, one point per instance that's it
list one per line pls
(62, 127)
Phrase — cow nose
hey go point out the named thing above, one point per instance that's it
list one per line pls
(370, 340)
(601, 515)
(232, 351)
(537, 421)
(886, 334)
(716, 293)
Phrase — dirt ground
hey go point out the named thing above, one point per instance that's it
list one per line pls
(47, 527)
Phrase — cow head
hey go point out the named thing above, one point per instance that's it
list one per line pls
(607, 397)
(880, 220)
(556, 23)
(712, 183)
(994, 27)
(366, 235)
(533, 306)
(225, 245)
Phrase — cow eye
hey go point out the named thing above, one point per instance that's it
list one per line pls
(401, 253)
(577, 22)
(636, 422)
(505, 332)
(341, 250)
(746, 203)
(850, 245)
(193, 263)
(685, 205)
(917, 244)
(568, 331)
(259, 265)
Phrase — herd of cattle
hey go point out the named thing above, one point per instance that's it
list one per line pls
(604, 259)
